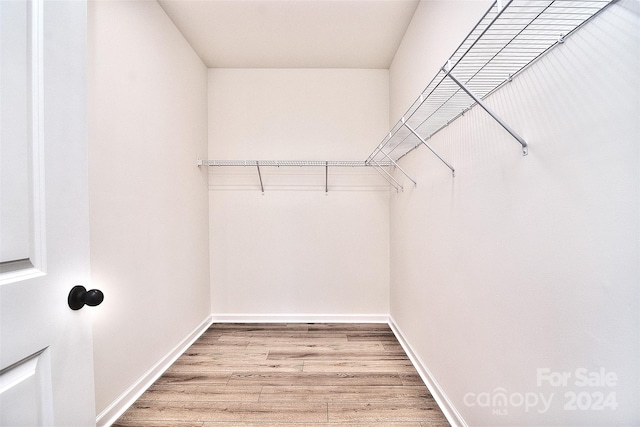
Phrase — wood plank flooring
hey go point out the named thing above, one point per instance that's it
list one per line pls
(263, 375)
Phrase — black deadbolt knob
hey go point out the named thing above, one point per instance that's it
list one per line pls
(79, 297)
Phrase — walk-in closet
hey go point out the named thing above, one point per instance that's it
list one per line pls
(325, 212)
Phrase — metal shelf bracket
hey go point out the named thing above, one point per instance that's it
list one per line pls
(386, 175)
(422, 140)
(260, 176)
(415, 184)
(326, 178)
(525, 147)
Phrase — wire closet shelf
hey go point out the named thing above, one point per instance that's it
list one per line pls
(510, 36)
(378, 166)
(290, 163)
(507, 39)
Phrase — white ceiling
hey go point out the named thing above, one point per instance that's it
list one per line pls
(293, 33)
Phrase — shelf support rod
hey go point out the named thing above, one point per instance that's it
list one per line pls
(398, 166)
(388, 180)
(387, 175)
(326, 177)
(453, 171)
(260, 176)
(382, 144)
(525, 147)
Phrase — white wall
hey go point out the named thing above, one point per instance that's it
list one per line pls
(437, 29)
(295, 250)
(520, 263)
(148, 202)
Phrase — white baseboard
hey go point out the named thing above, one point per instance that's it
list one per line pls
(300, 318)
(449, 410)
(109, 415)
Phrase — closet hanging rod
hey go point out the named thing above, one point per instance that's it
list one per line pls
(294, 163)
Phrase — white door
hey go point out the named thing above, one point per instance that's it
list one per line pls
(46, 368)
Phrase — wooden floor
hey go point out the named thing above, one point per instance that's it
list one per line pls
(289, 375)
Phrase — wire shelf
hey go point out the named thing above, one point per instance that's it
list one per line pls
(510, 36)
(291, 163)
(326, 164)
(504, 42)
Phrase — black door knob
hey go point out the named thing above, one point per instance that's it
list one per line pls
(79, 296)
